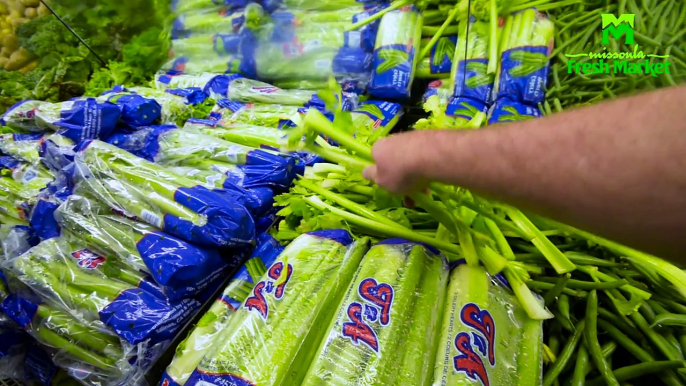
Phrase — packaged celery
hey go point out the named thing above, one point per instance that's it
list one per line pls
(271, 339)
(376, 118)
(240, 133)
(242, 166)
(385, 331)
(177, 105)
(441, 88)
(98, 357)
(313, 45)
(99, 291)
(136, 110)
(190, 352)
(179, 268)
(22, 116)
(487, 337)
(21, 146)
(470, 64)
(440, 60)
(525, 48)
(258, 114)
(139, 188)
(164, 81)
(397, 43)
(15, 240)
(204, 22)
(505, 110)
(20, 183)
(230, 63)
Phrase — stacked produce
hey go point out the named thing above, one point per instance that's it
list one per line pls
(200, 340)
(171, 182)
(271, 338)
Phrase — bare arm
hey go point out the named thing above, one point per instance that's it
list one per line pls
(617, 169)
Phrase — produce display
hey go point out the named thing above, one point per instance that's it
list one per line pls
(215, 155)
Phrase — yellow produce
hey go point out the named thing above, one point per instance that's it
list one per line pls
(30, 3)
(11, 42)
(18, 59)
(30, 13)
(3, 61)
(29, 67)
(18, 21)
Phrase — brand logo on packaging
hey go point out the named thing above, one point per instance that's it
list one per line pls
(478, 348)
(378, 300)
(275, 285)
(88, 259)
(611, 59)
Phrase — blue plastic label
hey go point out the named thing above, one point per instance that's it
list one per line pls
(43, 221)
(136, 111)
(136, 315)
(441, 62)
(228, 223)
(391, 80)
(382, 112)
(524, 74)
(341, 236)
(464, 108)
(505, 110)
(20, 310)
(473, 81)
(88, 119)
(200, 377)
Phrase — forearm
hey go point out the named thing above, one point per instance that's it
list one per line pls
(617, 169)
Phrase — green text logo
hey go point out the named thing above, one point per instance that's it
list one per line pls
(617, 27)
(608, 59)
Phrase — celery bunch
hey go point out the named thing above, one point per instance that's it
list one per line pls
(524, 50)
(255, 114)
(470, 72)
(272, 335)
(200, 340)
(385, 332)
(147, 191)
(177, 109)
(241, 133)
(180, 269)
(486, 334)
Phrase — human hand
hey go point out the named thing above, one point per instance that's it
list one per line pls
(398, 164)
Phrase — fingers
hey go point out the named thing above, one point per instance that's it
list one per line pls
(370, 173)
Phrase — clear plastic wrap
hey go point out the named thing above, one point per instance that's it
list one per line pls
(20, 182)
(397, 44)
(13, 346)
(178, 105)
(99, 291)
(486, 336)
(241, 133)
(190, 352)
(527, 42)
(272, 337)
(85, 118)
(470, 64)
(98, 357)
(141, 189)
(443, 89)
(505, 110)
(440, 60)
(227, 112)
(238, 165)
(385, 331)
(376, 118)
(313, 45)
(23, 147)
(15, 240)
(179, 268)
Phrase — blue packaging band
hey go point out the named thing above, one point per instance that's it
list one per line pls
(521, 79)
(136, 111)
(85, 119)
(472, 80)
(507, 110)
